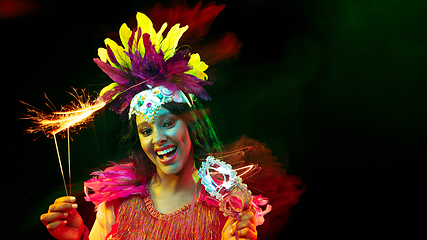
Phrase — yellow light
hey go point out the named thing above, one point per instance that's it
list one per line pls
(70, 116)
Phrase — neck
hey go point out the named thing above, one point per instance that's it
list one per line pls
(183, 182)
(171, 192)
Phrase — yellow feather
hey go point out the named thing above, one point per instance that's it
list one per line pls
(125, 34)
(145, 24)
(108, 88)
(102, 53)
(158, 37)
(197, 66)
(121, 57)
(170, 43)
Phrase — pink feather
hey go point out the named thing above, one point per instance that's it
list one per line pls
(117, 182)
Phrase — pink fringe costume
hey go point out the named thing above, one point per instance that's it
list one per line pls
(125, 211)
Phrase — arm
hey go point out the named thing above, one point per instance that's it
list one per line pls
(105, 219)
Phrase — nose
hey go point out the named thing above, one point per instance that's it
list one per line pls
(159, 138)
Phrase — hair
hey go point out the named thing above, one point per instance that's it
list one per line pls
(202, 134)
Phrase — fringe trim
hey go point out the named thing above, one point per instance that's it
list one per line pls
(139, 219)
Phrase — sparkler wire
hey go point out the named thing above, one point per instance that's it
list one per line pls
(60, 164)
(69, 157)
(70, 116)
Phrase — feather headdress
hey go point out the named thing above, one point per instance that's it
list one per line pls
(147, 60)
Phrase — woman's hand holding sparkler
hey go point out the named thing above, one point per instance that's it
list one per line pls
(62, 220)
(246, 227)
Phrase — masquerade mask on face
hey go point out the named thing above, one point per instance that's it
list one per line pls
(146, 103)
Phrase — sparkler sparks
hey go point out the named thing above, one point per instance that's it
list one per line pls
(70, 116)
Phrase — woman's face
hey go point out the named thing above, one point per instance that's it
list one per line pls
(166, 142)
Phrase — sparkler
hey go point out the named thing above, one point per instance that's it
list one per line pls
(70, 117)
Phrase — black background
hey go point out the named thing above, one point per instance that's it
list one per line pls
(337, 90)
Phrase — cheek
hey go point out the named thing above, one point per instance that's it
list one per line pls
(186, 140)
(187, 137)
(183, 135)
(145, 144)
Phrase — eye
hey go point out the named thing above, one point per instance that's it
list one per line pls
(145, 132)
(169, 124)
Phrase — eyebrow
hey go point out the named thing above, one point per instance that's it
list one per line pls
(164, 114)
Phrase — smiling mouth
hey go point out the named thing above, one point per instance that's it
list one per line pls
(167, 153)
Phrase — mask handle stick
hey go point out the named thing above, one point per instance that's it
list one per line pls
(236, 233)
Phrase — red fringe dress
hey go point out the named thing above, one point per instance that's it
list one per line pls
(125, 210)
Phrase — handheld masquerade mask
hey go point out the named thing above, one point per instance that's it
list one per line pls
(222, 182)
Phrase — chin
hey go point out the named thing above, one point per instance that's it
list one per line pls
(173, 167)
(173, 162)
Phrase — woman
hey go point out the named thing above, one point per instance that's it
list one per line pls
(168, 145)
(157, 195)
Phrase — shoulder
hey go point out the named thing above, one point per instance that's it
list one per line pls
(117, 181)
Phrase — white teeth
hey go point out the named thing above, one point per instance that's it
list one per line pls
(163, 152)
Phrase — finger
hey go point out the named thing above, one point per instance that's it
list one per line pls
(54, 225)
(227, 228)
(51, 217)
(244, 224)
(248, 216)
(247, 211)
(247, 233)
(66, 199)
(62, 207)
